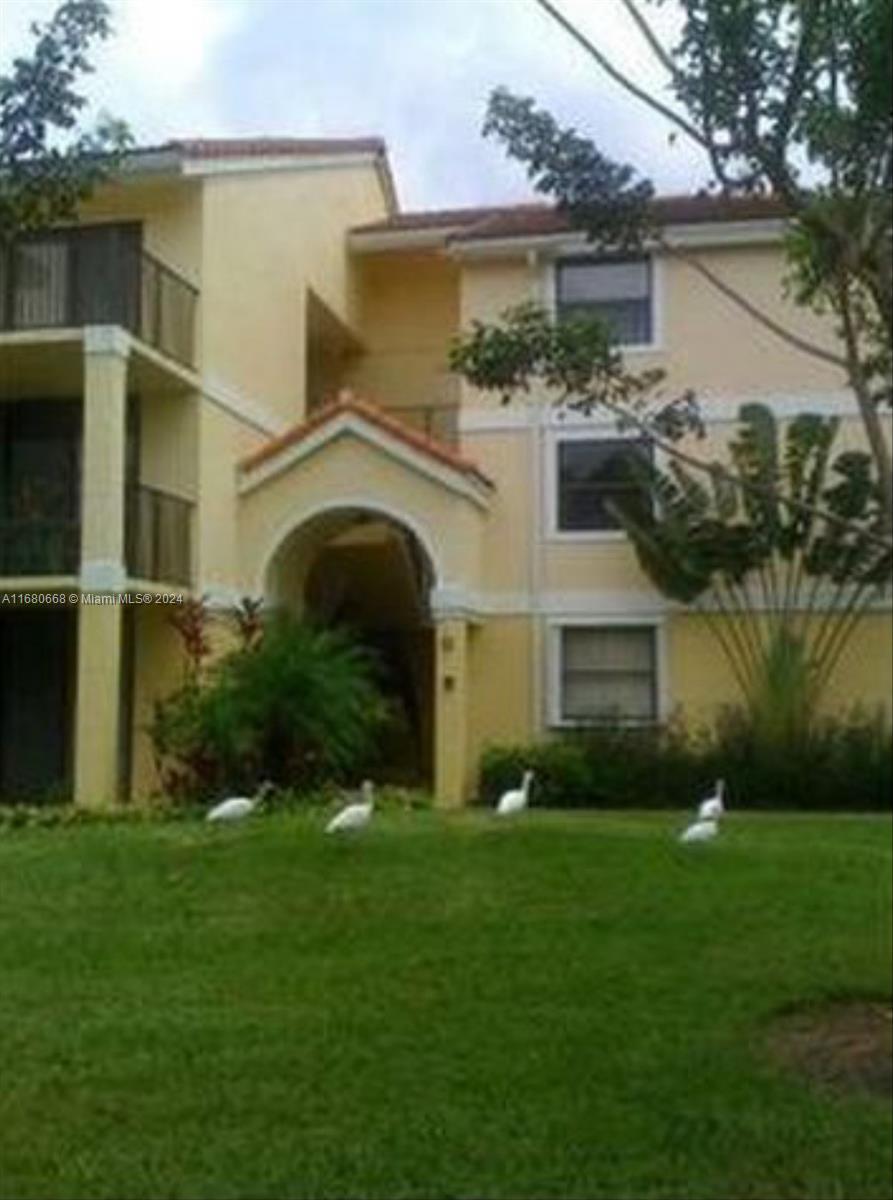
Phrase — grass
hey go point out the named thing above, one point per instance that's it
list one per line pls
(571, 1006)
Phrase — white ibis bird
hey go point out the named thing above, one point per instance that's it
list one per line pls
(356, 815)
(236, 808)
(517, 799)
(700, 831)
(713, 807)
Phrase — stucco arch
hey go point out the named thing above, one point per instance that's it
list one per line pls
(352, 465)
(305, 516)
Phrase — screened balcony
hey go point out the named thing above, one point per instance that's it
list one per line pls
(40, 488)
(158, 536)
(40, 500)
(97, 275)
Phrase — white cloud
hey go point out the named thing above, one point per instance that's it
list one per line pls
(156, 71)
(415, 71)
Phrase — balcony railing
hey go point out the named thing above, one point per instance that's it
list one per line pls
(438, 421)
(159, 536)
(97, 275)
(39, 546)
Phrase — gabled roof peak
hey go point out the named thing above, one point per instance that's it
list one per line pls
(346, 404)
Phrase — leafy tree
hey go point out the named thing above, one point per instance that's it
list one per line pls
(48, 165)
(785, 97)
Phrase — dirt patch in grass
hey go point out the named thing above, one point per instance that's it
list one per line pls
(846, 1046)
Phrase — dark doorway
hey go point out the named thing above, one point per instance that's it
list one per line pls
(37, 683)
(372, 578)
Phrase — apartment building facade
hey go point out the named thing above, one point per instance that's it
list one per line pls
(230, 378)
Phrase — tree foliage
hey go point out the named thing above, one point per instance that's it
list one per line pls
(785, 98)
(48, 164)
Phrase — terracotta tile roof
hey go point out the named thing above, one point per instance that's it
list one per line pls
(537, 220)
(347, 403)
(212, 148)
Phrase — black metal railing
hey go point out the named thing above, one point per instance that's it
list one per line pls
(158, 532)
(438, 421)
(167, 310)
(39, 546)
(97, 275)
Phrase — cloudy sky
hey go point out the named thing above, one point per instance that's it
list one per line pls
(416, 72)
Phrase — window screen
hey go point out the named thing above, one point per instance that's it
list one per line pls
(608, 674)
(596, 475)
(617, 292)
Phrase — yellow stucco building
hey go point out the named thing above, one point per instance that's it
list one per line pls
(230, 379)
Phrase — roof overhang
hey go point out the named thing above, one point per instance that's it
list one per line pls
(174, 163)
(458, 245)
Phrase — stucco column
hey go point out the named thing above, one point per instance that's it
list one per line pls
(451, 712)
(98, 711)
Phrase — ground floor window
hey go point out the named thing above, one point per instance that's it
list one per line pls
(606, 674)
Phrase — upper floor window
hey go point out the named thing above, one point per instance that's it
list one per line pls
(595, 476)
(617, 291)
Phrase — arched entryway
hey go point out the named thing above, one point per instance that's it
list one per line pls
(355, 519)
(364, 569)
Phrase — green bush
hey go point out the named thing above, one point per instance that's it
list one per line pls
(298, 706)
(842, 764)
(15, 816)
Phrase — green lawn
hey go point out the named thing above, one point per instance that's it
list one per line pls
(570, 1006)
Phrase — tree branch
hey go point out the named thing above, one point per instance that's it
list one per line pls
(657, 47)
(880, 448)
(743, 303)
(618, 76)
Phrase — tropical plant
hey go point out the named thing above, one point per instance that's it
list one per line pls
(780, 588)
(296, 704)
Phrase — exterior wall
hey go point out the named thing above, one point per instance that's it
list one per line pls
(702, 339)
(347, 473)
(712, 346)
(217, 552)
(408, 311)
(268, 237)
(169, 443)
(701, 682)
(501, 701)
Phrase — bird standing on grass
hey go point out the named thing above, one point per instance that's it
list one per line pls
(238, 807)
(517, 799)
(713, 807)
(357, 815)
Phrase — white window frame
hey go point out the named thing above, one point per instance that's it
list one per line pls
(555, 668)
(552, 475)
(656, 262)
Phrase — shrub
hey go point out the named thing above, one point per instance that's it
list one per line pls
(18, 816)
(839, 764)
(298, 705)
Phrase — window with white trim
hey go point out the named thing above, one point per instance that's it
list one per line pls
(596, 476)
(619, 292)
(608, 674)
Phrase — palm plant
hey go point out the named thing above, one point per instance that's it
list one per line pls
(781, 586)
